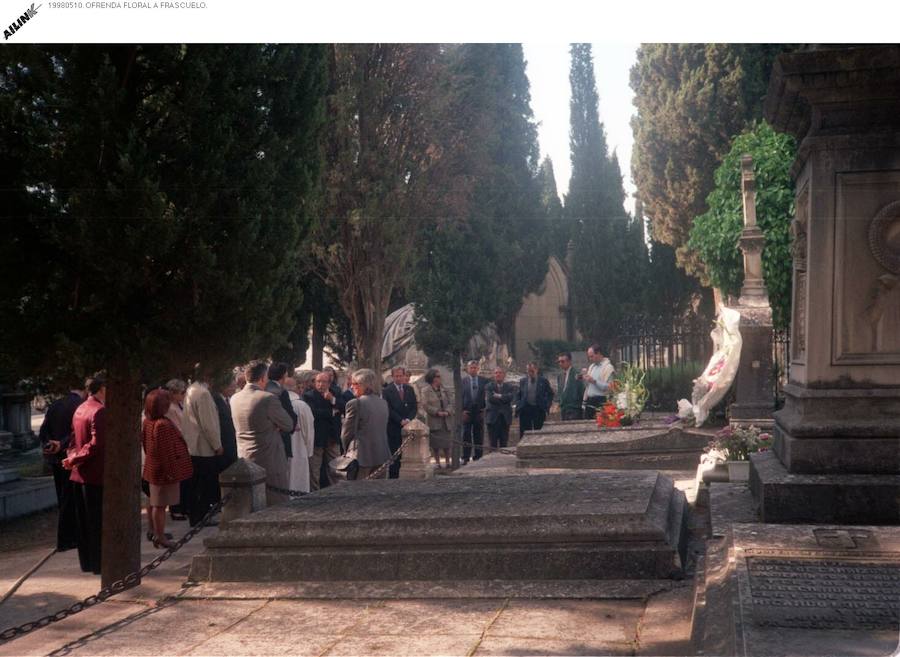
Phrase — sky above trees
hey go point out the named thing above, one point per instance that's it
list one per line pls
(548, 72)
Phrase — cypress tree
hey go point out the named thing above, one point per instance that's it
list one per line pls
(692, 100)
(603, 272)
(162, 193)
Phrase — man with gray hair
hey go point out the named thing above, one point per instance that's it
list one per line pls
(366, 424)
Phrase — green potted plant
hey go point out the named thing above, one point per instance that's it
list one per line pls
(628, 392)
(734, 445)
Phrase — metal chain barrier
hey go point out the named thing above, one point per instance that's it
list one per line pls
(129, 581)
(375, 474)
(485, 448)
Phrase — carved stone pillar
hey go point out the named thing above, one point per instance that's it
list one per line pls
(416, 453)
(755, 397)
(837, 440)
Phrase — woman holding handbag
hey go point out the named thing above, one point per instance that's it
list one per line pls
(438, 405)
(168, 462)
(365, 425)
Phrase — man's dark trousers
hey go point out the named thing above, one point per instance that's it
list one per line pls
(531, 418)
(473, 436)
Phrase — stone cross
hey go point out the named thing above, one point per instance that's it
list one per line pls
(752, 239)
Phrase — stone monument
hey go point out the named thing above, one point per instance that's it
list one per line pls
(755, 397)
(837, 440)
(416, 453)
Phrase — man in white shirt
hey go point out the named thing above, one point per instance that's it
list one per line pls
(597, 379)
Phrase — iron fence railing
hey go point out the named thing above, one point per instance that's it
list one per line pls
(673, 359)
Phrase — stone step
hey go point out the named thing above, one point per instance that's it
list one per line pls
(582, 526)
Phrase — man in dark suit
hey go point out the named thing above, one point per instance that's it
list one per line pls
(326, 410)
(402, 407)
(277, 374)
(499, 396)
(55, 434)
(224, 391)
(473, 411)
(570, 388)
(533, 403)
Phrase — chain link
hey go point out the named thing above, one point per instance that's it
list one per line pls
(129, 581)
(486, 448)
(375, 474)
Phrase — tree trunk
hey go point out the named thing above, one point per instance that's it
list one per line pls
(319, 326)
(121, 540)
(368, 342)
(457, 405)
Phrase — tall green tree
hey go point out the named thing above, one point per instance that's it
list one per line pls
(692, 100)
(606, 263)
(558, 228)
(158, 198)
(384, 150)
(715, 233)
(480, 265)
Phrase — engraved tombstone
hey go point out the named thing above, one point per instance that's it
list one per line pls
(837, 440)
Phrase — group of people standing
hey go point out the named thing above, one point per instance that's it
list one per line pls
(293, 427)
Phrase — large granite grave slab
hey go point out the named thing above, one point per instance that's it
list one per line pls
(662, 448)
(816, 590)
(553, 527)
(585, 426)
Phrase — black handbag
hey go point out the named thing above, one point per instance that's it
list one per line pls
(346, 466)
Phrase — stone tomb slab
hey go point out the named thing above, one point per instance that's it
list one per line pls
(628, 448)
(816, 590)
(587, 426)
(560, 527)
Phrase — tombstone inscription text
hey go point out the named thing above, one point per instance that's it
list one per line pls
(824, 594)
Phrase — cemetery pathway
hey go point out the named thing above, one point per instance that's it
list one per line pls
(153, 620)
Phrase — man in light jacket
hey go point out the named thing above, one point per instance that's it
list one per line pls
(259, 420)
(202, 435)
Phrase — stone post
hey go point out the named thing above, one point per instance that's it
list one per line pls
(416, 453)
(837, 440)
(246, 482)
(16, 419)
(755, 398)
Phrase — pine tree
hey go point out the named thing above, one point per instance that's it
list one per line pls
(161, 195)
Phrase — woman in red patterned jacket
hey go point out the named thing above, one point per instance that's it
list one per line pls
(168, 461)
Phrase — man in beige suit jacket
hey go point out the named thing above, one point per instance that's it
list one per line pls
(259, 420)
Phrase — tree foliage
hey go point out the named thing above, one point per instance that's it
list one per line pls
(609, 257)
(384, 150)
(558, 228)
(715, 233)
(691, 99)
(479, 267)
(158, 197)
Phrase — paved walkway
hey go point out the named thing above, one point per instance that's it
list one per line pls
(152, 619)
